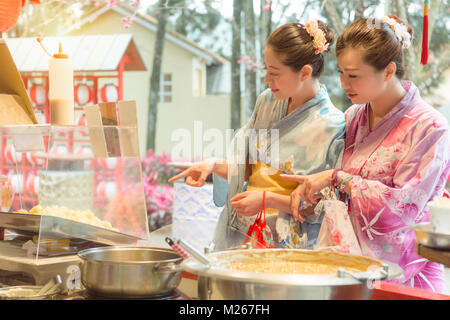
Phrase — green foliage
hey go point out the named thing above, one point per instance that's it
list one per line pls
(191, 19)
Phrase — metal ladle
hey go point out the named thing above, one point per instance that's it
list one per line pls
(193, 252)
(51, 286)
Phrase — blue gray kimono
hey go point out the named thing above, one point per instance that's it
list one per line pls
(308, 140)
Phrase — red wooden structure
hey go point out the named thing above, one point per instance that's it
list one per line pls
(89, 70)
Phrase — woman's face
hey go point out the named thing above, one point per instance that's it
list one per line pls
(361, 82)
(280, 78)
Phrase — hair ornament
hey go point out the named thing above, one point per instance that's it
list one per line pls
(319, 40)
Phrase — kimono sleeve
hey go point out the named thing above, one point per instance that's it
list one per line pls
(419, 176)
(220, 185)
(336, 147)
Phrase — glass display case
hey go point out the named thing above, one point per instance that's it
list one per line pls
(65, 188)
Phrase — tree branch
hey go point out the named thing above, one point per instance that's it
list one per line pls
(334, 17)
(435, 6)
(304, 10)
(425, 80)
(399, 8)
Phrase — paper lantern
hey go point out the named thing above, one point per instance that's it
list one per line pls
(107, 190)
(38, 94)
(58, 150)
(40, 117)
(11, 155)
(82, 122)
(109, 93)
(16, 182)
(33, 160)
(9, 13)
(33, 184)
(83, 151)
(108, 163)
(83, 94)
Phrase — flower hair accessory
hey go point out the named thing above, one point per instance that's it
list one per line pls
(400, 31)
(319, 40)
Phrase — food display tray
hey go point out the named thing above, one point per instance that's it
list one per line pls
(49, 226)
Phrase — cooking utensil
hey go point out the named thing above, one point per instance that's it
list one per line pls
(58, 227)
(25, 293)
(51, 286)
(197, 255)
(427, 237)
(177, 248)
(219, 282)
(130, 272)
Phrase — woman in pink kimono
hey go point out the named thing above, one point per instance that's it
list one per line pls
(396, 156)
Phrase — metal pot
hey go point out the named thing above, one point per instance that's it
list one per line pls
(215, 281)
(130, 272)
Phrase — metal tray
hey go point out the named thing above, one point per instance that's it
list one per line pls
(48, 226)
(425, 236)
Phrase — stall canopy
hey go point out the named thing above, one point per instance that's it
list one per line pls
(88, 53)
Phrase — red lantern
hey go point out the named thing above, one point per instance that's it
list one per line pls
(32, 184)
(82, 122)
(83, 94)
(32, 159)
(40, 117)
(58, 150)
(10, 153)
(107, 190)
(9, 13)
(17, 182)
(109, 93)
(38, 94)
(83, 151)
(108, 163)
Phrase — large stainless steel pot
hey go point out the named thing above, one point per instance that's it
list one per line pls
(215, 281)
(130, 272)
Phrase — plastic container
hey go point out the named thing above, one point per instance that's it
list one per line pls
(439, 217)
(6, 194)
(61, 92)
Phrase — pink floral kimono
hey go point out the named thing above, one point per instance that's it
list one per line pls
(398, 166)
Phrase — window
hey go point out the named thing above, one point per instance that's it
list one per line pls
(165, 90)
(200, 82)
(198, 78)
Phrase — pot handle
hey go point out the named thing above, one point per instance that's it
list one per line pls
(377, 274)
(168, 268)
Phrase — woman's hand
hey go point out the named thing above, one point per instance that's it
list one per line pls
(309, 186)
(296, 196)
(248, 203)
(197, 174)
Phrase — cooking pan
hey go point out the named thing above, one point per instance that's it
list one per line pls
(129, 271)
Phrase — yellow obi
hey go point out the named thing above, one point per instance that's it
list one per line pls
(266, 178)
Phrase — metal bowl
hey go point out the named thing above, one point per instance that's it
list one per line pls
(215, 281)
(427, 237)
(130, 272)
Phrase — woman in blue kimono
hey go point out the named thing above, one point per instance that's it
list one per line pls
(294, 129)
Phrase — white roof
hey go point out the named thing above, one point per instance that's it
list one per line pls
(88, 53)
